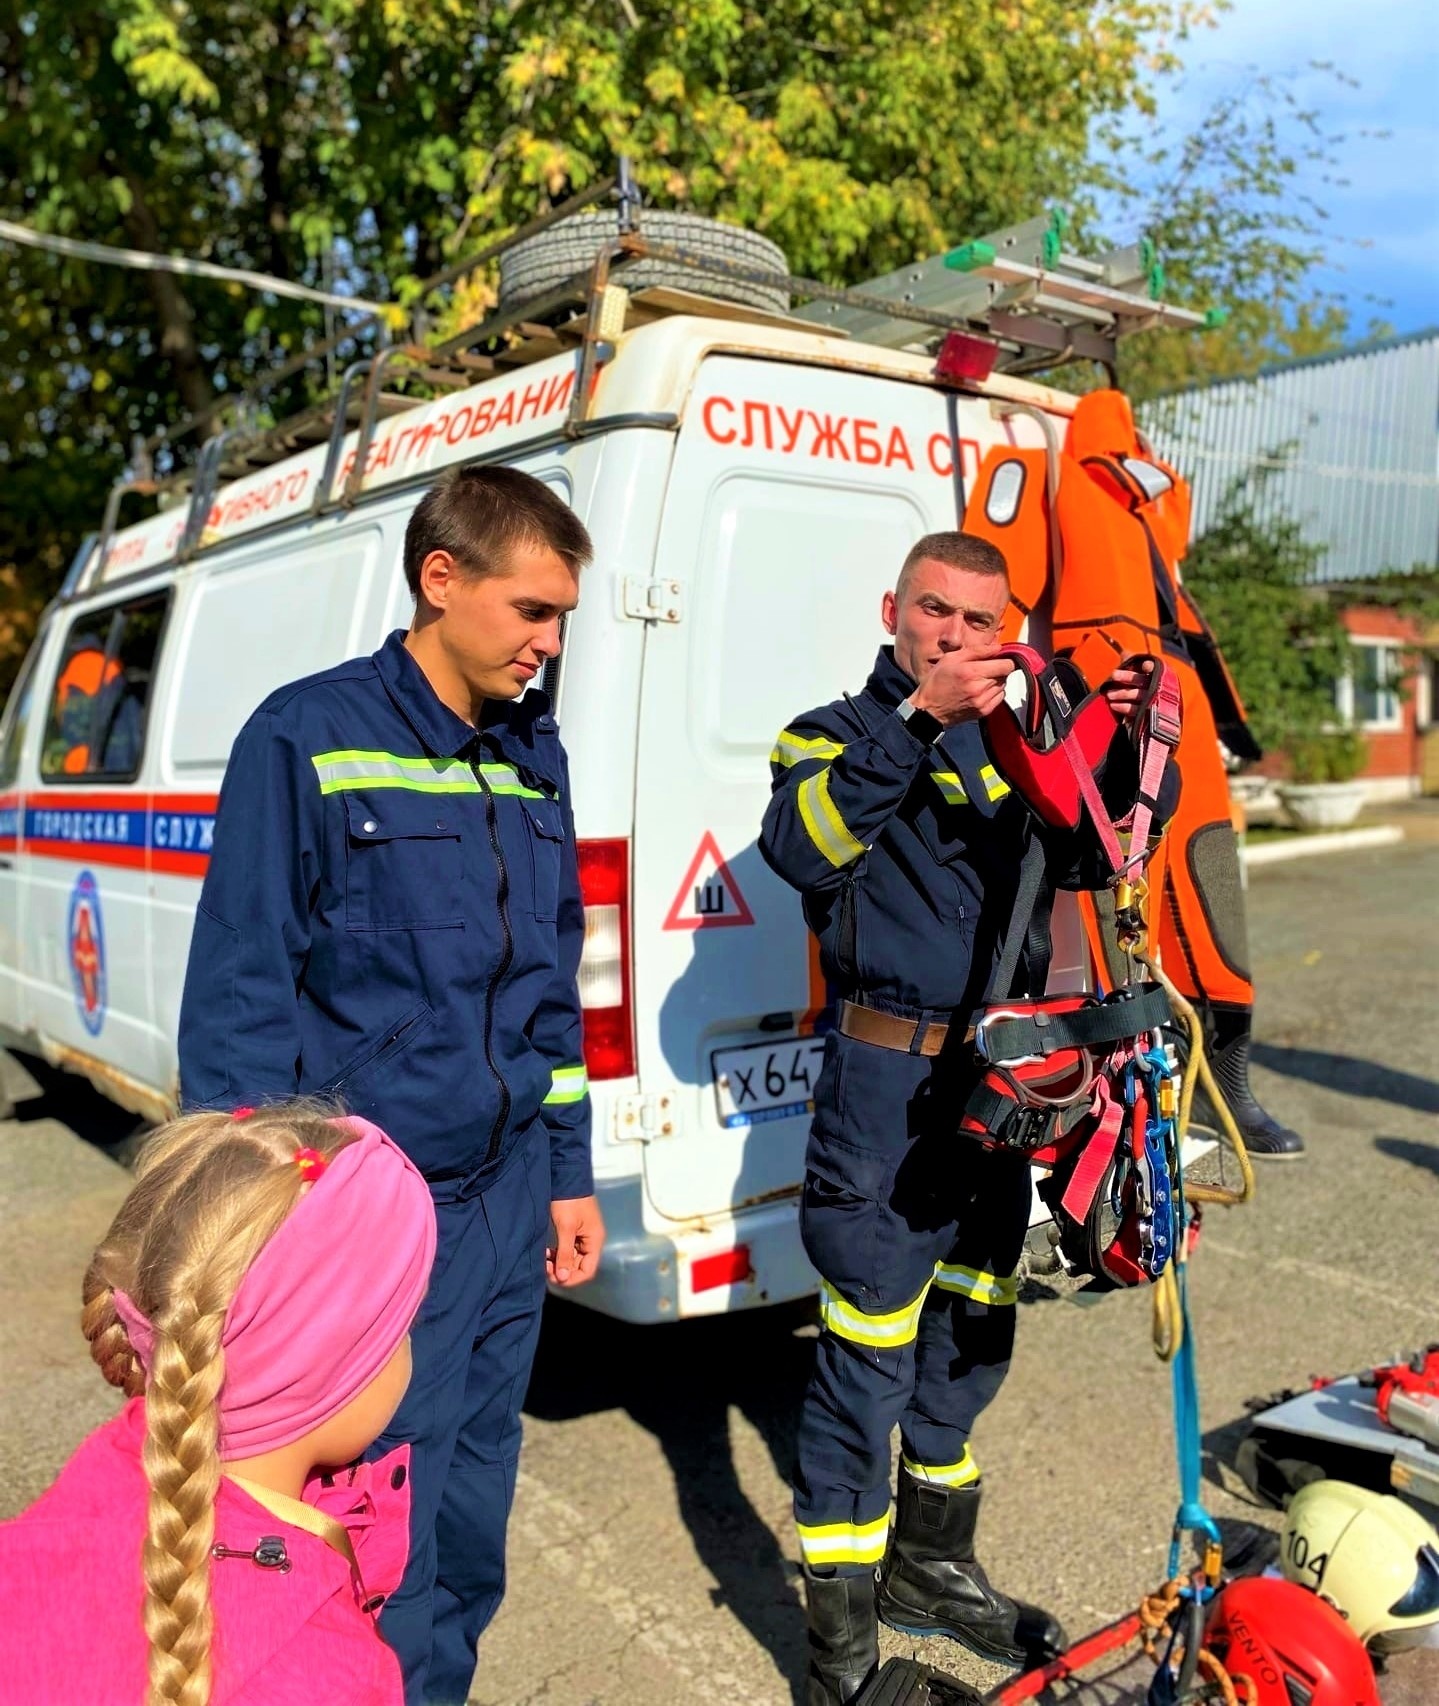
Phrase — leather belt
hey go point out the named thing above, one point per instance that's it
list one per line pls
(888, 1030)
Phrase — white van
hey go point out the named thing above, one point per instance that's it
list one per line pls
(752, 485)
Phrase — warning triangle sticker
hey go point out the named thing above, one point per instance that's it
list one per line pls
(709, 897)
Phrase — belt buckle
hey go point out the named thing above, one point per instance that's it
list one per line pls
(981, 1041)
(1163, 724)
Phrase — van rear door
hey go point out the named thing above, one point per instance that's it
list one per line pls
(783, 540)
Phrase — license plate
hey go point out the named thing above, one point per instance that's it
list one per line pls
(767, 1081)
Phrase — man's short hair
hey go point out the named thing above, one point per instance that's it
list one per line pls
(959, 551)
(479, 515)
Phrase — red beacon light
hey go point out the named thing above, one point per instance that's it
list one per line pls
(963, 356)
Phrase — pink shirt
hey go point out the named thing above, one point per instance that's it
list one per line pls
(71, 1590)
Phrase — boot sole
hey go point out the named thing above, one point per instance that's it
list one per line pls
(1276, 1155)
(924, 1628)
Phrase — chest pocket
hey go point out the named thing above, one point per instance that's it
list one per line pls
(545, 833)
(403, 867)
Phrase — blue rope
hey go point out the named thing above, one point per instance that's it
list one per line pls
(1191, 1517)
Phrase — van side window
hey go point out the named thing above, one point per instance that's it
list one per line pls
(96, 727)
(17, 719)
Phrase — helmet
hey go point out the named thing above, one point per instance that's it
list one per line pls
(1291, 1646)
(1371, 1556)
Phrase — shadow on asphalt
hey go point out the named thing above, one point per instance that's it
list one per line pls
(76, 1103)
(1350, 1076)
(1424, 1155)
(681, 1383)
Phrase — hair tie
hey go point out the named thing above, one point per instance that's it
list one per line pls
(241, 1113)
(139, 1329)
(311, 1164)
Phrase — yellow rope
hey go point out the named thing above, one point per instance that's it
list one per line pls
(1156, 1611)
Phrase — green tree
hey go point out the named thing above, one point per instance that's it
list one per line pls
(1252, 574)
(370, 141)
(1226, 208)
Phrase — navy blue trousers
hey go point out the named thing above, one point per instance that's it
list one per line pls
(916, 1233)
(473, 1343)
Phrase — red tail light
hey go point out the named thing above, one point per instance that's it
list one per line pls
(725, 1267)
(605, 961)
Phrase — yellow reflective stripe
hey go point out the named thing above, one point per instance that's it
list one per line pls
(822, 822)
(344, 770)
(791, 748)
(951, 787)
(567, 1084)
(844, 1542)
(994, 784)
(339, 771)
(978, 1284)
(504, 779)
(883, 1332)
(961, 1474)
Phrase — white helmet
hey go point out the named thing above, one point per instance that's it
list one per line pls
(1373, 1557)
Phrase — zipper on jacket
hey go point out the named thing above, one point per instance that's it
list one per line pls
(387, 1047)
(269, 1553)
(507, 954)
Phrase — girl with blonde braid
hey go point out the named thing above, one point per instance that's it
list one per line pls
(217, 1544)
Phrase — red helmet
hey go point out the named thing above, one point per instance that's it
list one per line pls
(1295, 1649)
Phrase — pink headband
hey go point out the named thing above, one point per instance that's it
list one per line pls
(327, 1301)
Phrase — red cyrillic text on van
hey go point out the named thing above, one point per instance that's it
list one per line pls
(411, 443)
(753, 424)
(941, 457)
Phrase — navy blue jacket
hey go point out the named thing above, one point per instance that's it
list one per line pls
(907, 855)
(392, 917)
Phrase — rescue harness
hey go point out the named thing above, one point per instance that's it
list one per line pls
(1079, 1082)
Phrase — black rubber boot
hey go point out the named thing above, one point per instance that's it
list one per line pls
(1264, 1137)
(931, 1583)
(843, 1637)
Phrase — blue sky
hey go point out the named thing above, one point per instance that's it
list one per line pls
(1391, 202)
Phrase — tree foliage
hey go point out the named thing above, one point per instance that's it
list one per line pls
(361, 144)
(1252, 573)
(1226, 207)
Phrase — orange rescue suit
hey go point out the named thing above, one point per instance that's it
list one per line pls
(1122, 524)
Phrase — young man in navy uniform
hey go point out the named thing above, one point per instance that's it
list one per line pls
(905, 845)
(392, 920)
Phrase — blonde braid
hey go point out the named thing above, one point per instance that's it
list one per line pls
(182, 1464)
(210, 1191)
(109, 1342)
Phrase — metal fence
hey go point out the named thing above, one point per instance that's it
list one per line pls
(1351, 442)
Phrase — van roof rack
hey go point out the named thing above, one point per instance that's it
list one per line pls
(1044, 305)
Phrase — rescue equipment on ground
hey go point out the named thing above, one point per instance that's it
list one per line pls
(1406, 1394)
(1371, 1556)
(1258, 1641)
(1078, 1081)
(1377, 1429)
(1266, 1642)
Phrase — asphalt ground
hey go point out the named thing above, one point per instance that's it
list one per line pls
(652, 1557)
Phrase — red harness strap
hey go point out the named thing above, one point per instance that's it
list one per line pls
(1050, 750)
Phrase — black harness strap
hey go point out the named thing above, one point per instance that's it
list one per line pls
(1107, 1022)
(1021, 916)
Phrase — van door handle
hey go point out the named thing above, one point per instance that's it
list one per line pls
(7, 864)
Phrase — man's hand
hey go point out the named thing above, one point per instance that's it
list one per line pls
(1123, 688)
(962, 688)
(579, 1237)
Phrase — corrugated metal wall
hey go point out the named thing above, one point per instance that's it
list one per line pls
(1354, 444)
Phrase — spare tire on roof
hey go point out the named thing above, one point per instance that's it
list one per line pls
(542, 263)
